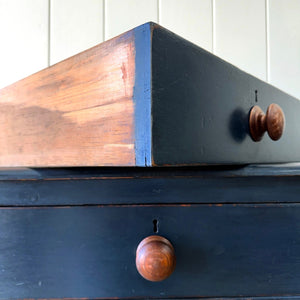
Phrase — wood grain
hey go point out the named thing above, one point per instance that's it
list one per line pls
(272, 122)
(155, 258)
(79, 112)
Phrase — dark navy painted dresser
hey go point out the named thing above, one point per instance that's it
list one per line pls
(73, 233)
(147, 168)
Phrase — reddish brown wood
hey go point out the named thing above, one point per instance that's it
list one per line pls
(79, 112)
(155, 258)
(272, 122)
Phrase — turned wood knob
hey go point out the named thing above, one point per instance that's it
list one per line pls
(155, 258)
(272, 122)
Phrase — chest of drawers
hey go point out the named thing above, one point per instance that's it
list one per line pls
(165, 186)
(69, 233)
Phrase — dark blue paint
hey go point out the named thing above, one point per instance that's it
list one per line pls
(142, 95)
(200, 107)
(89, 252)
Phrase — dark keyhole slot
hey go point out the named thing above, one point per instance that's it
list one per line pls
(155, 226)
(255, 95)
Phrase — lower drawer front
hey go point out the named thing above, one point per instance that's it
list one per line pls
(78, 252)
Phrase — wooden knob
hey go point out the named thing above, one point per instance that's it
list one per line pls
(272, 122)
(155, 258)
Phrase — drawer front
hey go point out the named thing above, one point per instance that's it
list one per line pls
(201, 105)
(89, 252)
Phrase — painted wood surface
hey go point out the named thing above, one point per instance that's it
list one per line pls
(73, 233)
(89, 252)
(237, 298)
(201, 105)
(133, 186)
(76, 113)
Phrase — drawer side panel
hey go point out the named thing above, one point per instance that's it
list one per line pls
(79, 112)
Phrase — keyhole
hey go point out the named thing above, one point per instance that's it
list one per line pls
(155, 226)
(255, 95)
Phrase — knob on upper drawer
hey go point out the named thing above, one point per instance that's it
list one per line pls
(155, 258)
(272, 122)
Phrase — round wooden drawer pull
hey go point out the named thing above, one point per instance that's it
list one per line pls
(155, 258)
(272, 122)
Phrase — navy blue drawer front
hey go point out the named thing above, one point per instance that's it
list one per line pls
(73, 233)
(78, 252)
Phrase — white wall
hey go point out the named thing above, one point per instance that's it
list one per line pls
(261, 37)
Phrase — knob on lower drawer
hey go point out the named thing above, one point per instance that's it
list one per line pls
(155, 258)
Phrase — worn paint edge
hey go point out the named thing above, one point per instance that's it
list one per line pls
(142, 95)
(248, 205)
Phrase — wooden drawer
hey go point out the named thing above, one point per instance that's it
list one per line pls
(89, 252)
(148, 98)
(73, 233)
(145, 98)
